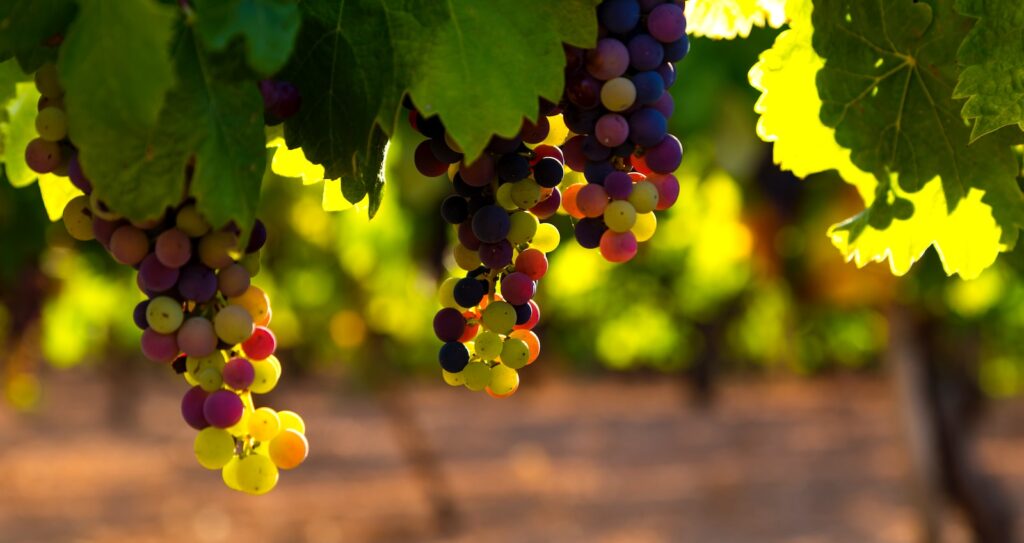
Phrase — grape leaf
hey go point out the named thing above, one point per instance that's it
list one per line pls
(726, 19)
(993, 58)
(56, 192)
(18, 130)
(10, 76)
(967, 240)
(26, 25)
(268, 26)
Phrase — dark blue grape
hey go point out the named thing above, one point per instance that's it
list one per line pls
(589, 231)
(468, 291)
(677, 50)
(444, 153)
(257, 238)
(523, 313)
(647, 127)
(462, 188)
(496, 255)
(619, 16)
(595, 172)
(649, 87)
(139, 315)
(548, 172)
(581, 121)
(454, 209)
(668, 74)
(466, 236)
(197, 283)
(513, 168)
(491, 223)
(449, 324)
(453, 356)
(594, 150)
(645, 52)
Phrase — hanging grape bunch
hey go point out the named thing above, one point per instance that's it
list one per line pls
(497, 203)
(617, 104)
(202, 315)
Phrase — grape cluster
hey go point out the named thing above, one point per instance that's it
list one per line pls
(202, 315)
(617, 104)
(496, 207)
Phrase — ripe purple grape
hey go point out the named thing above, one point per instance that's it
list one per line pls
(645, 53)
(192, 408)
(517, 288)
(647, 127)
(223, 409)
(449, 324)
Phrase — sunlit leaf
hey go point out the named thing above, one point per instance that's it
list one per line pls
(727, 19)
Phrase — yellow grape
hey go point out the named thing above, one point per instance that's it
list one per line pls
(264, 424)
(289, 449)
(214, 447)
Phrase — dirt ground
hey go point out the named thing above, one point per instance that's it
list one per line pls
(610, 460)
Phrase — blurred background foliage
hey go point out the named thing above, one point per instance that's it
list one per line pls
(739, 276)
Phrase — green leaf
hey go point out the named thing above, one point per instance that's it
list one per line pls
(727, 19)
(56, 192)
(20, 129)
(886, 89)
(10, 75)
(269, 28)
(372, 170)
(128, 139)
(25, 25)
(993, 58)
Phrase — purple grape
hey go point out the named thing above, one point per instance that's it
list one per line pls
(78, 178)
(595, 172)
(668, 74)
(580, 121)
(239, 374)
(426, 162)
(155, 276)
(647, 127)
(454, 209)
(197, 283)
(139, 315)
(159, 347)
(619, 16)
(608, 60)
(649, 87)
(594, 150)
(618, 185)
(677, 50)
(480, 172)
(466, 236)
(192, 408)
(468, 291)
(535, 132)
(449, 324)
(589, 231)
(666, 156)
(462, 188)
(647, 5)
(496, 255)
(645, 53)
(42, 156)
(612, 129)
(513, 168)
(453, 357)
(257, 238)
(502, 146)
(223, 409)
(517, 288)
(523, 313)
(491, 224)
(444, 153)
(666, 105)
(549, 206)
(584, 91)
(548, 172)
(103, 230)
(573, 151)
(667, 23)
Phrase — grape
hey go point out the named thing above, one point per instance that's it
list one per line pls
(468, 292)
(546, 239)
(620, 216)
(471, 327)
(139, 315)
(453, 356)
(491, 224)
(594, 150)
(515, 353)
(608, 60)
(611, 130)
(233, 280)
(573, 150)
(173, 248)
(668, 75)
(454, 209)
(215, 360)
(76, 175)
(677, 50)
(548, 172)
(618, 247)
(197, 283)
(480, 172)
(668, 190)
(496, 255)
(289, 449)
(426, 162)
(216, 249)
(517, 288)
(445, 294)
(512, 168)
(649, 87)
(42, 156)
(570, 199)
(532, 341)
(214, 448)
(223, 409)
(647, 127)
(592, 200)
(548, 206)
(529, 324)
(523, 313)
(595, 172)
(535, 132)
(504, 381)
(645, 53)
(465, 258)
(129, 245)
(103, 230)
(667, 23)
(619, 16)
(261, 344)
(266, 376)
(164, 315)
(525, 194)
(238, 373)
(191, 222)
(618, 94)
(196, 337)
(264, 424)
(233, 324)
(645, 197)
(154, 275)
(580, 121)
(589, 231)
(47, 82)
(230, 474)
(477, 375)
(618, 185)
(449, 324)
(291, 421)
(444, 152)
(78, 219)
(499, 317)
(52, 124)
(256, 474)
(192, 407)
(487, 345)
(256, 302)
(665, 156)
(646, 224)
(257, 238)
(251, 263)
(532, 263)
(523, 226)
(159, 347)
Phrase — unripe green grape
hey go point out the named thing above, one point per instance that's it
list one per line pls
(504, 380)
(214, 447)
(646, 224)
(251, 262)
(78, 219)
(478, 376)
(499, 317)
(47, 82)
(546, 239)
(525, 193)
(620, 216)
(618, 94)
(504, 197)
(523, 227)
(218, 249)
(453, 379)
(445, 294)
(465, 258)
(264, 424)
(164, 314)
(233, 324)
(256, 474)
(644, 197)
(291, 420)
(191, 222)
(216, 360)
(241, 428)
(487, 345)
(210, 379)
(52, 124)
(230, 473)
(266, 377)
(515, 353)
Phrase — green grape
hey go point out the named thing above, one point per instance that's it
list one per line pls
(214, 447)
(78, 219)
(251, 263)
(546, 239)
(290, 420)
(525, 193)
(256, 474)
(487, 345)
(499, 317)
(241, 428)
(523, 227)
(233, 324)
(164, 314)
(47, 82)
(478, 376)
(218, 249)
(644, 197)
(230, 474)
(191, 222)
(51, 124)
(504, 380)
(216, 360)
(515, 353)
(618, 94)
(210, 379)
(465, 258)
(192, 382)
(504, 197)
(264, 424)
(446, 296)
(266, 376)
(646, 224)
(620, 216)
(453, 379)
